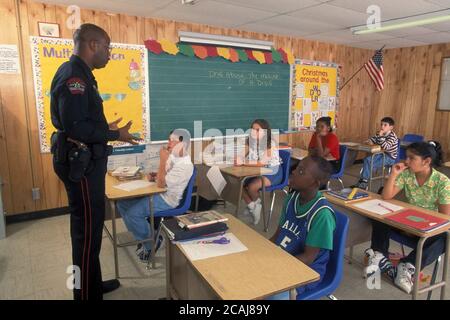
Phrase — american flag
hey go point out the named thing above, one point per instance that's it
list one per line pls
(375, 69)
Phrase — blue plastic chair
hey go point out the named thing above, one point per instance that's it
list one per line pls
(409, 137)
(338, 175)
(285, 156)
(182, 208)
(333, 274)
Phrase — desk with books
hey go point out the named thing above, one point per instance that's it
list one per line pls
(360, 230)
(250, 274)
(113, 195)
(235, 177)
(372, 150)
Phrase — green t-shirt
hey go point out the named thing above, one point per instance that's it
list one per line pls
(320, 234)
(435, 191)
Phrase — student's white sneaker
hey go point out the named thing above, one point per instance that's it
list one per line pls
(257, 213)
(404, 278)
(376, 261)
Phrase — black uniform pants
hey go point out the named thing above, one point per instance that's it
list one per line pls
(432, 248)
(87, 215)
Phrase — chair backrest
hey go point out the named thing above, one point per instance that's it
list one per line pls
(343, 153)
(334, 272)
(285, 156)
(397, 160)
(410, 137)
(185, 202)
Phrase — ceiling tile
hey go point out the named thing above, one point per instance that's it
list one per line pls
(442, 26)
(442, 3)
(436, 37)
(279, 6)
(388, 43)
(332, 14)
(389, 9)
(212, 13)
(404, 32)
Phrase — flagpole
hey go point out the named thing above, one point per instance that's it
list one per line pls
(357, 72)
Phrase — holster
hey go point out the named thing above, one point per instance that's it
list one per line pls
(60, 147)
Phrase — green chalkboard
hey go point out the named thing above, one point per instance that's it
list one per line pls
(220, 93)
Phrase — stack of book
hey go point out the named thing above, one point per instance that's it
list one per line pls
(349, 194)
(127, 173)
(195, 225)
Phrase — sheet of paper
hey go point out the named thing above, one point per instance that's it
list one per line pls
(216, 178)
(133, 185)
(378, 206)
(324, 88)
(324, 104)
(307, 105)
(299, 90)
(332, 103)
(9, 59)
(314, 117)
(198, 251)
(123, 160)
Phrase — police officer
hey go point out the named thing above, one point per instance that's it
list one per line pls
(80, 154)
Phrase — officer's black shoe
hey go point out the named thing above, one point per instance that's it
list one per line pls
(110, 285)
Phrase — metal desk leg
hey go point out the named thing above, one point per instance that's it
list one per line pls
(238, 204)
(263, 202)
(114, 237)
(293, 294)
(168, 279)
(418, 266)
(444, 272)
(152, 225)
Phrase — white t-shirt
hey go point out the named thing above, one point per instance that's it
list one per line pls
(179, 171)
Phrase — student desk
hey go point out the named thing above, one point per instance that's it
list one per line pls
(112, 196)
(373, 151)
(299, 154)
(235, 177)
(358, 215)
(447, 164)
(257, 273)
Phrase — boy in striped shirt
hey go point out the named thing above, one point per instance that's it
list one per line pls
(387, 139)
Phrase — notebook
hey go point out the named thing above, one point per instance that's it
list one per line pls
(418, 220)
(176, 233)
(344, 194)
(377, 206)
(200, 219)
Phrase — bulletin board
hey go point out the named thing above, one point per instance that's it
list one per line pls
(123, 84)
(314, 93)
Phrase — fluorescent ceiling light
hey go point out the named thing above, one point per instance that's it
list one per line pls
(402, 23)
(194, 37)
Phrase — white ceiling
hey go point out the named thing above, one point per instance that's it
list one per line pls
(324, 20)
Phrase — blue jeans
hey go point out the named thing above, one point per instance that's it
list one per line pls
(377, 162)
(285, 294)
(135, 213)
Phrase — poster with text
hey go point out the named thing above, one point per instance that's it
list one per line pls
(315, 92)
(122, 84)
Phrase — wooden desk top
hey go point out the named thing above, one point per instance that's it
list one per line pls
(447, 164)
(362, 147)
(243, 171)
(299, 154)
(117, 194)
(382, 218)
(261, 271)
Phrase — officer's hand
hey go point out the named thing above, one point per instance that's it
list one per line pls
(125, 136)
(113, 125)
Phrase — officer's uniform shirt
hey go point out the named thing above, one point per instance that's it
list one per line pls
(76, 106)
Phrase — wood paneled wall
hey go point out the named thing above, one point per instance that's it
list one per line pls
(413, 72)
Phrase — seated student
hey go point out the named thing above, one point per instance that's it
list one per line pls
(175, 171)
(324, 143)
(387, 139)
(261, 151)
(307, 222)
(424, 187)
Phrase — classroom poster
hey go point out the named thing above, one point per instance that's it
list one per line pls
(123, 84)
(314, 93)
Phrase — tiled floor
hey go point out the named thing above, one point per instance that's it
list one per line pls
(36, 254)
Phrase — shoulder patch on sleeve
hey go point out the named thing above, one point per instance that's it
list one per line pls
(76, 85)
